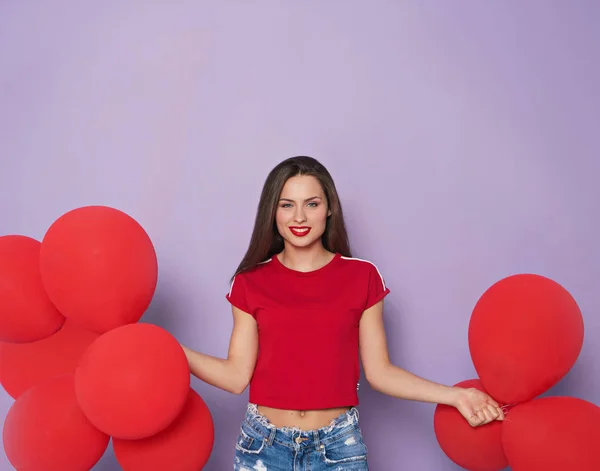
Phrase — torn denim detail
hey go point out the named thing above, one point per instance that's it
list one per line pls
(344, 420)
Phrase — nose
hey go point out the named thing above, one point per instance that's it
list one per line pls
(299, 215)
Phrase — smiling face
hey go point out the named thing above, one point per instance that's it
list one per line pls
(302, 211)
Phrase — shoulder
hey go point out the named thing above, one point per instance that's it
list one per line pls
(366, 271)
(243, 285)
(370, 278)
(360, 264)
(254, 273)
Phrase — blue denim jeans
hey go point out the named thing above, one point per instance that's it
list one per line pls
(263, 447)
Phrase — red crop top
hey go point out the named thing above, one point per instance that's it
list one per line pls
(308, 330)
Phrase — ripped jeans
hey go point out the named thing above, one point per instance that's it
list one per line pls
(263, 447)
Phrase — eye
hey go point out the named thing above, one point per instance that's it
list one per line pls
(313, 204)
(286, 205)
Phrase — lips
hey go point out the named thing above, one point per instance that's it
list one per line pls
(299, 231)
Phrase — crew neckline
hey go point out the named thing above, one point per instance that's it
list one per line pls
(337, 256)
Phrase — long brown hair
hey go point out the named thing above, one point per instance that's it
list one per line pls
(266, 240)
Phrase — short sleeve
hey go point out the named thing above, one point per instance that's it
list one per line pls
(377, 289)
(237, 294)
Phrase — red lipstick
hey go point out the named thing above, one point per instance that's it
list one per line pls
(299, 231)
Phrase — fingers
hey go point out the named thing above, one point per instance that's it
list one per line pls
(484, 409)
(495, 409)
(474, 420)
(485, 415)
(491, 413)
(477, 418)
(497, 413)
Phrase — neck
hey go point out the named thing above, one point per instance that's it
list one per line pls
(305, 258)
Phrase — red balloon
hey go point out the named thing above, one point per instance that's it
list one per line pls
(133, 381)
(24, 365)
(525, 334)
(553, 434)
(473, 448)
(26, 312)
(185, 445)
(45, 430)
(99, 267)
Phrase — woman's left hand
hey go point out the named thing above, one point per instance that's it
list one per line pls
(477, 407)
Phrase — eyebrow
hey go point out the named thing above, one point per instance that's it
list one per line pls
(308, 199)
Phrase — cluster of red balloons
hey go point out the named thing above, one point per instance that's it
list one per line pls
(525, 334)
(81, 367)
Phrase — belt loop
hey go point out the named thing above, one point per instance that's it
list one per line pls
(316, 439)
(271, 436)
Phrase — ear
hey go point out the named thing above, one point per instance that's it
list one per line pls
(329, 213)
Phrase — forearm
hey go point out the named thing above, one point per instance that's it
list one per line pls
(403, 384)
(219, 372)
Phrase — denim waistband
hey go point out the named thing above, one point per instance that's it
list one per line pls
(345, 423)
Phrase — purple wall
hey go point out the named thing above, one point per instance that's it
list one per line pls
(462, 136)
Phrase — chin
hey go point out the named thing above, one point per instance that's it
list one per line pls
(303, 244)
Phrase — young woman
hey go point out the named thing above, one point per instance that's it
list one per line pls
(304, 312)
